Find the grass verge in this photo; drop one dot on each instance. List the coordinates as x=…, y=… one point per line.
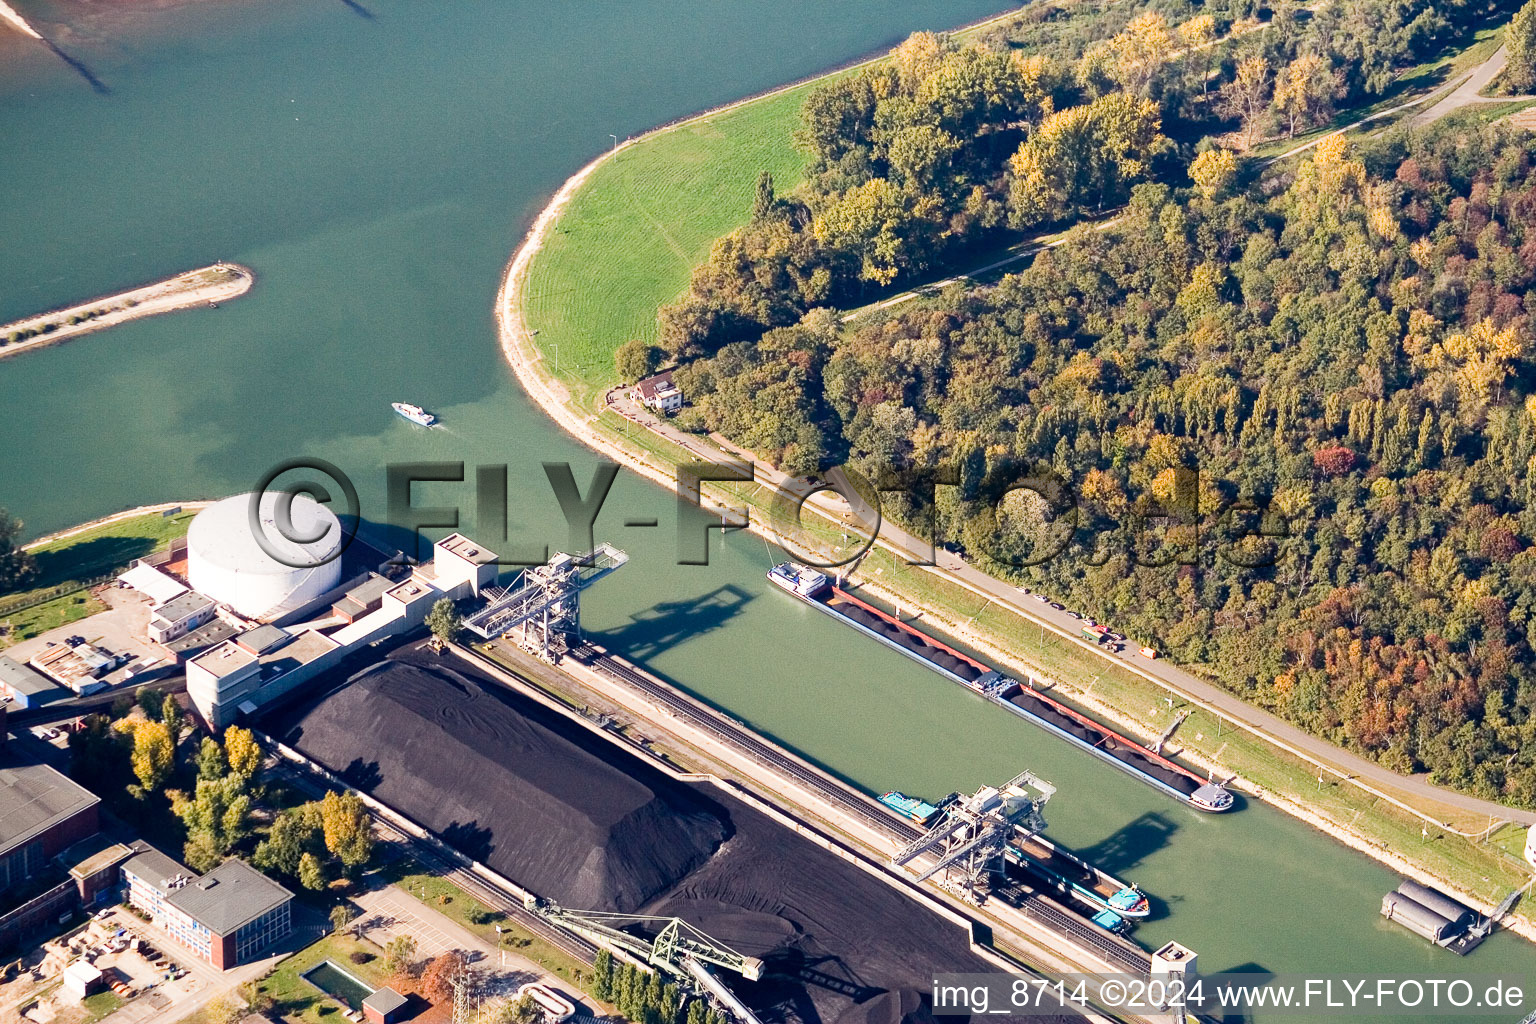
x=474, y=916
x=646, y=218
x=65, y=566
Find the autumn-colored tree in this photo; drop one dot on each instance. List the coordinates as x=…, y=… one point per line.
x=347, y=828
x=243, y=752
x=1520, y=67
x=1081, y=157
x=312, y=873
x=1246, y=97
x=1141, y=51
x=1197, y=34
x=225, y=1009
x=919, y=57
x=153, y=756
x=1333, y=461
x=1304, y=92
x=437, y=977
x=1212, y=171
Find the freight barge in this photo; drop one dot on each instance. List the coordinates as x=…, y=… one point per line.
x=1136, y=760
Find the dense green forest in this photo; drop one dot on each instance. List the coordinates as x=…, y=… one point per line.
x=1333, y=361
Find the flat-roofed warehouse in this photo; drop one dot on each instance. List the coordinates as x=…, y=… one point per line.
x=26, y=687
x=41, y=814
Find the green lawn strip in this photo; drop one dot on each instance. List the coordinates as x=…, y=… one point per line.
x=295, y=999
x=628, y=241
x=103, y=548
x=480, y=919
x=39, y=618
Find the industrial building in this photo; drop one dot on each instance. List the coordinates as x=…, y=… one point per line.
x=227, y=917
x=240, y=675
x=27, y=688
x=41, y=814
x=179, y=616
x=79, y=667
x=227, y=562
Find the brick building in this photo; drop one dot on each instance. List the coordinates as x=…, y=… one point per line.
x=227, y=917
x=41, y=814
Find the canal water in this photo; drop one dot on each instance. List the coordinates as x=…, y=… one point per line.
x=376, y=162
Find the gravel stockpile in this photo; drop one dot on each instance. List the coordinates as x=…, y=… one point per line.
x=507, y=790
x=574, y=818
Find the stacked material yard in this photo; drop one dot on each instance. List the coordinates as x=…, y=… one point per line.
x=573, y=818
x=551, y=814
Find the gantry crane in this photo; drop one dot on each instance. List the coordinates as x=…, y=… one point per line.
x=544, y=601
x=679, y=949
x=973, y=834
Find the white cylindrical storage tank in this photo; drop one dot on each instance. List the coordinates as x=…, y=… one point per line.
x=267, y=578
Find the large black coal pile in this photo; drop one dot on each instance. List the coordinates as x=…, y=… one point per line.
x=574, y=818
x=505, y=789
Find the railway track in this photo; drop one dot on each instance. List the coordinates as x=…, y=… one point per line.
x=1032, y=904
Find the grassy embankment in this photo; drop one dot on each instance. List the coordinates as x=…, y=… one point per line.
x=67, y=567
x=625, y=245
x=643, y=221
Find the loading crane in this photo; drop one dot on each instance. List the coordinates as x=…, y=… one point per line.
x=544, y=601
x=679, y=949
x=972, y=836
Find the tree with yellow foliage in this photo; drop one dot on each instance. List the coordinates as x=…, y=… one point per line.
x=1212, y=171
x=1480, y=359
x=1246, y=97
x=347, y=828
x=1081, y=157
x=1197, y=34
x=1304, y=92
x=919, y=56
x=242, y=752
x=1141, y=52
x=153, y=756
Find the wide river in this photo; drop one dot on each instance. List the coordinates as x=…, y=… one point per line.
x=376, y=162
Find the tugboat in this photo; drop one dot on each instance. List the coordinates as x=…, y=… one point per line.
x=415, y=413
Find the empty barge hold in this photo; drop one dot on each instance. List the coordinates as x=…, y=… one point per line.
x=817, y=589
x=909, y=807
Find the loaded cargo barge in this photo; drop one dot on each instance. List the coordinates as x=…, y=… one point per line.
x=818, y=590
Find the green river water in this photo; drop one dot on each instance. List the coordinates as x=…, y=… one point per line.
x=376, y=163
